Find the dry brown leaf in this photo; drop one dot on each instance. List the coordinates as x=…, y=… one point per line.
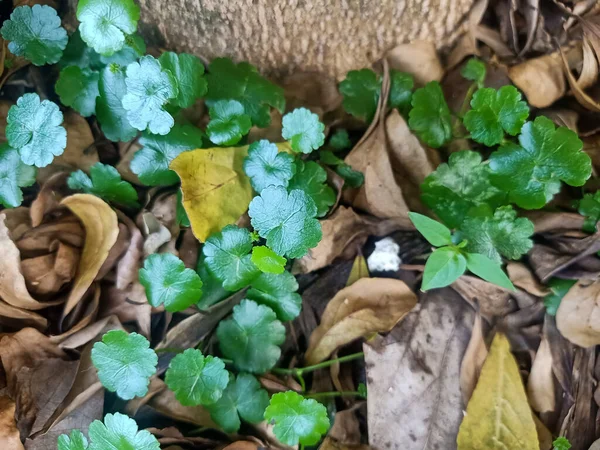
x=370, y=305
x=419, y=58
x=472, y=362
x=47, y=274
x=17, y=317
x=414, y=396
x=522, y=277
x=544, y=221
x=80, y=152
x=467, y=44
x=102, y=230
x=127, y=267
x=85, y=313
x=578, y=316
x=4, y=107
x=562, y=117
x=330, y=443
x=313, y=90
x=541, y=79
x=242, y=445
x=17, y=221
x=9, y=434
x=49, y=197
x=128, y=305
x=580, y=95
x=540, y=384
x=127, y=151
x=492, y=300
x=343, y=233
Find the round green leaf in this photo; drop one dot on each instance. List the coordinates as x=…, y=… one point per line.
x=443, y=268
x=109, y=108
x=311, y=178
x=228, y=122
x=13, y=176
x=106, y=183
x=75, y=441
x=266, y=166
x=361, y=90
x=119, y=432
x=267, y=260
x=430, y=117
x=78, y=88
x=278, y=292
x=303, y=129
x=187, y=70
x=401, y=86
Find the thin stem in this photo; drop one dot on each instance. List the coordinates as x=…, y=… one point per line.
x=169, y=350
x=303, y=370
x=467, y=100
x=334, y=394
x=302, y=382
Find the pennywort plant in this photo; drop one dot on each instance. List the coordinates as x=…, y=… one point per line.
x=528, y=162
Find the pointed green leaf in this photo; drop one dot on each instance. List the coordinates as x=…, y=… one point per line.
x=485, y=268
x=436, y=234
x=443, y=268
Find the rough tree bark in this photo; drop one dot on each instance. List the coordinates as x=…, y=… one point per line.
x=280, y=36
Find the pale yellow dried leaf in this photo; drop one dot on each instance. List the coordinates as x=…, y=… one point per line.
x=359, y=270
x=540, y=384
x=370, y=305
x=580, y=95
x=9, y=433
x=578, y=316
x=498, y=415
x=418, y=58
x=541, y=79
x=102, y=229
x=216, y=192
x=522, y=277
x=473, y=361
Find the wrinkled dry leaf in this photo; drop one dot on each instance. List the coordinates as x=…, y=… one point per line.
x=330, y=443
x=17, y=221
x=370, y=305
x=49, y=197
x=313, y=90
x=128, y=265
x=47, y=274
x=344, y=232
x=216, y=192
x=541, y=79
x=156, y=234
x=492, y=300
x=498, y=414
x=17, y=317
x=127, y=151
x=472, y=362
x=522, y=277
x=582, y=97
x=128, y=305
x=9, y=434
x=414, y=396
x=540, y=384
x=544, y=221
x=419, y=58
x=578, y=316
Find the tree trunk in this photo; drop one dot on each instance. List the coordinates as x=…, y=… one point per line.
x=281, y=36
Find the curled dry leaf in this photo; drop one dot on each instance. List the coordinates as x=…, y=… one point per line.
x=540, y=384
x=541, y=79
x=498, y=413
x=370, y=305
x=492, y=300
x=215, y=190
x=127, y=267
x=413, y=376
x=102, y=229
x=522, y=277
x=9, y=434
x=578, y=316
x=472, y=362
x=343, y=233
x=49, y=197
x=544, y=221
x=582, y=97
x=419, y=58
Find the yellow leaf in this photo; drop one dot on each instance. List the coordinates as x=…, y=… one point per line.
x=359, y=270
x=216, y=192
x=101, y=232
x=498, y=415
x=370, y=305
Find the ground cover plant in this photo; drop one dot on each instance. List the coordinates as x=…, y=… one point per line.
x=173, y=251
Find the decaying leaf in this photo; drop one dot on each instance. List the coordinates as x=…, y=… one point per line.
x=419, y=58
x=9, y=434
x=540, y=384
x=102, y=230
x=413, y=376
x=498, y=415
x=370, y=305
x=541, y=79
x=578, y=316
x=472, y=362
x=216, y=192
x=522, y=277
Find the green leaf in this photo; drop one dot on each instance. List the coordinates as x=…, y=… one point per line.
x=75, y=441
x=13, y=176
x=78, y=88
x=151, y=162
x=311, y=178
x=105, y=183
x=212, y=288
x=132, y=50
x=561, y=443
x=77, y=53
x=589, y=207
x=286, y=220
x=304, y=130
x=182, y=217
x=267, y=260
x=443, y=268
x=196, y=379
x=340, y=140
x=297, y=419
x=454, y=188
x=531, y=173
x=266, y=166
x=149, y=88
x=125, y=363
x=109, y=108
x=436, y=234
x=559, y=289
x=353, y=178
x=499, y=234
x=401, y=87
x=251, y=337
x=34, y=129
x=105, y=23
x=243, y=398
x=228, y=122
x=474, y=70
x=361, y=90
x=495, y=112
x=489, y=270
x=278, y=292
x=188, y=70
x=242, y=82
x=168, y=282
x=430, y=117
x=119, y=432
x=227, y=256
x=35, y=33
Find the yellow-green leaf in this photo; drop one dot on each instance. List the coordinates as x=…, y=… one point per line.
x=359, y=270
x=498, y=415
x=216, y=192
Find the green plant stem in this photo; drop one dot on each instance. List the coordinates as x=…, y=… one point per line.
x=334, y=394
x=467, y=100
x=302, y=370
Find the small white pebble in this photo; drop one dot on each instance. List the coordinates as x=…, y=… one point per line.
x=385, y=256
